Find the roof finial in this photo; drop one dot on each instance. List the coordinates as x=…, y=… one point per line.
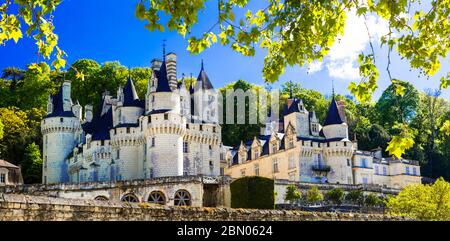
x=203, y=66
x=164, y=50
x=333, y=88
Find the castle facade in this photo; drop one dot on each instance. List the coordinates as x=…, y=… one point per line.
x=300, y=149
x=129, y=139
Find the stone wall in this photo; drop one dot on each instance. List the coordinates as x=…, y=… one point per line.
x=196, y=186
x=15, y=207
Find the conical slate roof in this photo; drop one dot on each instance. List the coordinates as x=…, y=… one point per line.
x=58, y=106
x=203, y=80
x=130, y=97
x=163, y=81
x=101, y=122
x=333, y=116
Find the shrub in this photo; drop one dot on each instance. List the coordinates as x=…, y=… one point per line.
x=253, y=192
x=335, y=196
x=372, y=200
x=355, y=196
x=314, y=195
x=292, y=194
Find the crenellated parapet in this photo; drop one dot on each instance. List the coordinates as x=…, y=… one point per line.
x=338, y=151
x=60, y=125
x=165, y=128
x=127, y=140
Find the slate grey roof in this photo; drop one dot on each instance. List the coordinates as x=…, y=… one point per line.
x=58, y=106
x=130, y=97
x=163, y=81
x=203, y=81
x=333, y=116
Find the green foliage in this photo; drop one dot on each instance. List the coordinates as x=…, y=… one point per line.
x=233, y=134
x=20, y=129
x=1, y=130
x=372, y=200
x=422, y=202
x=336, y=196
x=292, y=194
x=252, y=192
x=32, y=164
x=314, y=195
x=355, y=196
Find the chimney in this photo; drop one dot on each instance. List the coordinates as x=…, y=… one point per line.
x=88, y=114
x=171, y=63
x=341, y=108
x=67, y=101
x=156, y=64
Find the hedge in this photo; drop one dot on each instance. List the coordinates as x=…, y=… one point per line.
x=253, y=193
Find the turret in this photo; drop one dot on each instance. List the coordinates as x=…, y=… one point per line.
x=171, y=63
x=161, y=96
x=61, y=130
x=335, y=126
x=88, y=115
x=205, y=99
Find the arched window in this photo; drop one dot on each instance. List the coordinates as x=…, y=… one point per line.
x=101, y=198
x=130, y=198
x=157, y=197
x=182, y=198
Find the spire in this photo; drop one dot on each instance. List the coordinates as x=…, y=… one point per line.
x=332, y=81
x=130, y=97
x=164, y=50
x=163, y=81
x=203, y=80
x=333, y=116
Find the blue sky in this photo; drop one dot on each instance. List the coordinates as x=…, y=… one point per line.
x=108, y=30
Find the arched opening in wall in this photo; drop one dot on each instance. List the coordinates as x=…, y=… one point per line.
x=101, y=198
x=182, y=198
x=130, y=198
x=157, y=197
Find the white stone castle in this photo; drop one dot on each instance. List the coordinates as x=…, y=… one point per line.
x=130, y=139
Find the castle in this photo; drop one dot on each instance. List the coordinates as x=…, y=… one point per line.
x=128, y=138
x=175, y=132
x=300, y=149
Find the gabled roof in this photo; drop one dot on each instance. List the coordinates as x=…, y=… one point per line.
x=293, y=108
x=101, y=123
x=130, y=97
x=203, y=81
x=333, y=116
x=58, y=106
x=163, y=81
x=6, y=164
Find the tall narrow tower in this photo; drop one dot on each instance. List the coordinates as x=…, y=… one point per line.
x=61, y=129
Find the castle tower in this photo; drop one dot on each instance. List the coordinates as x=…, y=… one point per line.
x=61, y=129
x=126, y=138
x=205, y=99
x=335, y=126
x=165, y=127
x=185, y=99
x=171, y=63
x=297, y=115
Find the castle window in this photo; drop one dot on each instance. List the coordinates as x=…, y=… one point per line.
x=274, y=148
x=222, y=171
x=384, y=171
x=376, y=170
x=153, y=142
x=349, y=162
x=221, y=156
x=45, y=179
x=256, y=154
x=291, y=162
x=166, y=116
x=182, y=198
x=345, y=143
x=312, y=144
x=214, y=129
x=211, y=165
x=102, y=142
x=210, y=147
x=407, y=170
x=319, y=145
x=118, y=154
x=185, y=147
x=128, y=130
x=201, y=127
x=303, y=143
x=2, y=178
x=187, y=126
x=328, y=144
x=152, y=173
x=414, y=171
x=364, y=163
x=291, y=143
x=275, y=166
x=61, y=120
x=45, y=162
x=256, y=169
x=130, y=198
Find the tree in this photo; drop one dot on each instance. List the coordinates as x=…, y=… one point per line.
x=355, y=196
x=422, y=202
x=314, y=195
x=32, y=164
x=14, y=74
x=292, y=194
x=336, y=196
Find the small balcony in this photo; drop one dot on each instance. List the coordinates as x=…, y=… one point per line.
x=321, y=168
